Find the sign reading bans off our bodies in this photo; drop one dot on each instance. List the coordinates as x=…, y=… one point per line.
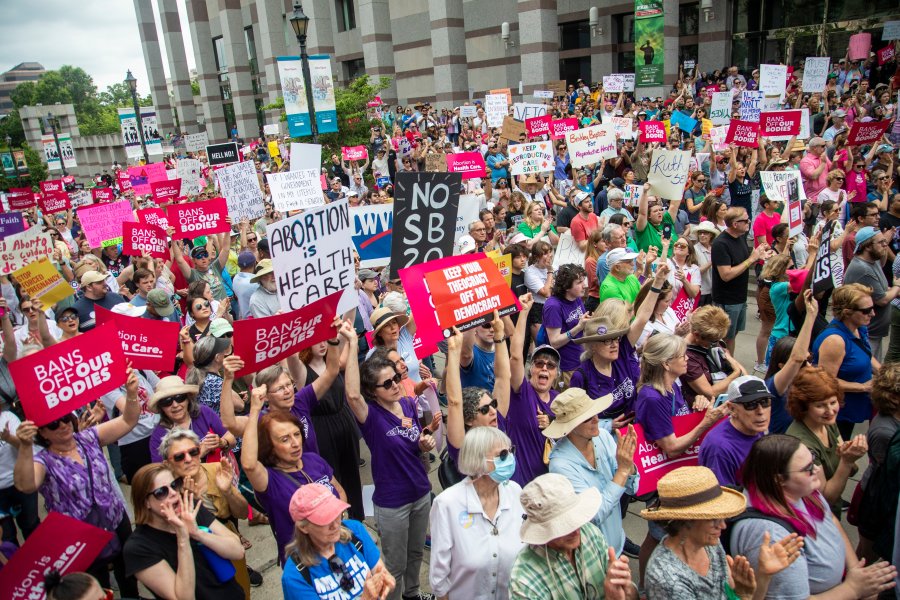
x=313, y=257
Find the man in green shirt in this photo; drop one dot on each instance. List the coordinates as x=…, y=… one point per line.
x=567, y=556
x=651, y=220
x=621, y=281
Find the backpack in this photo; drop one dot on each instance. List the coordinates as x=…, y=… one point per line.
x=878, y=508
x=751, y=513
x=304, y=570
x=448, y=474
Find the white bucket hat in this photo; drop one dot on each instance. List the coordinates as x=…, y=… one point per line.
x=553, y=509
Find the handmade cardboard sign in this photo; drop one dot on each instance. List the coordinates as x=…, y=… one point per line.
x=591, y=145
x=102, y=223
x=239, y=184
x=815, y=73
x=522, y=111
x=534, y=157
x=751, y=105
x=668, y=172
x=19, y=249
x=773, y=184
x=296, y=189
x=720, y=109
x=195, y=142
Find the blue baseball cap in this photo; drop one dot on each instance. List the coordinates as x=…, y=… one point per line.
x=864, y=235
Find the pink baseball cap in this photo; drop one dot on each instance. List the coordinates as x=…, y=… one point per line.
x=796, y=278
x=315, y=503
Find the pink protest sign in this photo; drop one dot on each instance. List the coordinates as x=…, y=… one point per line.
x=153, y=216
x=743, y=133
x=198, y=218
x=165, y=191
x=866, y=133
x=142, y=177
x=536, y=126
x=860, y=44
x=103, y=194
x=354, y=152
x=652, y=131
x=470, y=164
x=886, y=54
x=779, y=122
x=103, y=222
x=559, y=127
x=683, y=305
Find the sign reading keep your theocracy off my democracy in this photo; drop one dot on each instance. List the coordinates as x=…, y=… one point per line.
x=463, y=293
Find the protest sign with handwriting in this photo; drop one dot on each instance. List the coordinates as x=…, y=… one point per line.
x=195, y=142
x=19, y=249
x=720, y=109
x=534, y=157
x=240, y=186
x=296, y=189
x=102, y=223
x=591, y=145
x=772, y=79
x=751, y=105
x=815, y=73
x=668, y=172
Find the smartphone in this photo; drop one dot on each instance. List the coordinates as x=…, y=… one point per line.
x=667, y=232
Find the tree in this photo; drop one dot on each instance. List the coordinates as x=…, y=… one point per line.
x=37, y=171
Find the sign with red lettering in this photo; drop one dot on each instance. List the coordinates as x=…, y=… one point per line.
x=465, y=294
x=54, y=202
x=779, y=122
x=62, y=378
x=470, y=164
x=198, y=218
x=22, y=248
x=652, y=131
x=743, y=133
x=102, y=223
x=263, y=342
x=52, y=186
x=103, y=194
x=60, y=542
x=123, y=181
x=652, y=463
x=536, y=126
x=148, y=344
x=354, y=152
x=153, y=216
x=559, y=127
x=866, y=133
x=683, y=305
x=165, y=191
x=20, y=198
x=138, y=238
x=886, y=54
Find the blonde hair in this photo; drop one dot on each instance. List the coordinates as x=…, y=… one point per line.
x=846, y=299
x=529, y=207
x=302, y=547
x=834, y=174
x=658, y=350
x=710, y=322
x=775, y=269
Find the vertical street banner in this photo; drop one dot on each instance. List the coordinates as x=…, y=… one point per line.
x=131, y=134
x=290, y=71
x=52, y=156
x=425, y=208
x=150, y=127
x=648, y=38
x=323, y=93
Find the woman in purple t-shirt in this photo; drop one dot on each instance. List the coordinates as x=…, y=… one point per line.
x=276, y=465
x=390, y=425
x=564, y=314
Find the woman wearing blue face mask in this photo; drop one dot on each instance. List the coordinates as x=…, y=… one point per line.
x=475, y=523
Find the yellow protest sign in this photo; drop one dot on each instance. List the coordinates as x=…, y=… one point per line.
x=273, y=148
x=504, y=264
x=41, y=280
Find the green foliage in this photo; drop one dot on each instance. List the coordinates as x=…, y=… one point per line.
x=195, y=88
x=37, y=171
x=11, y=125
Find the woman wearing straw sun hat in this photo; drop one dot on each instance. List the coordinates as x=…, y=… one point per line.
x=589, y=457
x=690, y=563
x=567, y=556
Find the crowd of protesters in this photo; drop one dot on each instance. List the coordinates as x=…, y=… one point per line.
x=537, y=432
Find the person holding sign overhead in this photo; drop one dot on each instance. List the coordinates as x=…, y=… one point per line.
x=653, y=222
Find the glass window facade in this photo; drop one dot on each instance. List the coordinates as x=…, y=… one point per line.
x=574, y=35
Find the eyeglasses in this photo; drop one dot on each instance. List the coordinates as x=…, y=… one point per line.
x=883, y=177
x=167, y=402
x=282, y=388
x=808, y=469
x=54, y=425
x=611, y=342
x=866, y=311
x=389, y=383
x=397, y=282
x=337, y=566
x=162, y=492
x=251, y=239
x=180, y=456
x=200, y=305
x=200, y=255
x=68, y=317
x=501, y=456
x=545, y=364
x=486, y=408
x=753, y=405
x=859, y=166
x=741, y=221
x=28, y=309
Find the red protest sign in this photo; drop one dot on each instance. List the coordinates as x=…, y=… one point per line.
x=559, y=127
x=165, y=191
x=652, y=131
x=123, y=180
x=52, y=186
x=198, y=218
x=743, y=133
x=866, y=133
x=153, y=216
x=536, y=126
x=652, y=463
x=886, y=54
x=683, y=305
x=54, y=202
x=470, y=164
x=148, y=344
x=20, y=198
x=103, y=194
x=138, y=238
x=60, y=542
x=464, y=293
x=263, y=342
x=64, y=377
x=354, y=152
x=779, y=122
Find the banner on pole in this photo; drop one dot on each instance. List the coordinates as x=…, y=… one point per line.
x=649, y=39
x=323, y=93
x=293, y=90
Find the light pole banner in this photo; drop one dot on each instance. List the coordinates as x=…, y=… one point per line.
x=130, y=138
x=52, y=156
x=290, y=71
x=323, y=93
x=152, y=138
x=648, y=38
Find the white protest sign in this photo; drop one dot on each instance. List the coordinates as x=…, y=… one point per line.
x=495, y=108
x=306, y=156
x=668, y=172
x=623, y=127
x=772, y=79
x=720, y=108
x=296, y=190
x=467, y=213
x=804, y=127
x=613, y=83
x=717, y=136
x=544, y=94
x=535, y=157
x=195, y=142
x=632, y=194
x=891, y=31
x=313, y=257
x=523, y=110
x=239, y=185
x=591, y=145
x=629, y=82
x=773, y=184
x=271, y=129
x=815, y=73
x=468, y=111
x=404, y=147
x=751, y=104
x=567, y=252
x=188, y=170
x=22, y=248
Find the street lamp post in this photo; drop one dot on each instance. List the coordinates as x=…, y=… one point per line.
x=52, y=124
x=131, y=80
x=14, y=161
x=300, y=22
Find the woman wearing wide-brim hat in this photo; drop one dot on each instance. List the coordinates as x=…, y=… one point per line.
x=690, y=562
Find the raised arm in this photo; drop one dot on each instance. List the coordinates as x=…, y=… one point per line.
x=783, y=378
x=645, y=310
x=47, y=340
x=235, y=424
x=112, y=430
x=517, y=350
x=178, y=256
x=456, y=427
x=28, y=475
x=332, y=367
x=351, y=376
x=256, y=471
x=9, y=333
x=641, y=223
x=222, y=250
x=674, y=204
x=501, y=365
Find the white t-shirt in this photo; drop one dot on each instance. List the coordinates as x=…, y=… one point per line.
x=8, y=452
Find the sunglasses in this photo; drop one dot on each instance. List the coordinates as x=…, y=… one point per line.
x=486, y=408
x=866, y=311
x=201, y=255
x=200, y=305
x=28, y=309
x=180, y=456
x=167, y=402
x=838, y=178
x=751, y=406
x=504, y=453
x=54, y=425
x=251, y=239
x=487, y=325
x=389, y=383
x=545, y=364
x=337, y=566
x=162, y=492
x=68, y=317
